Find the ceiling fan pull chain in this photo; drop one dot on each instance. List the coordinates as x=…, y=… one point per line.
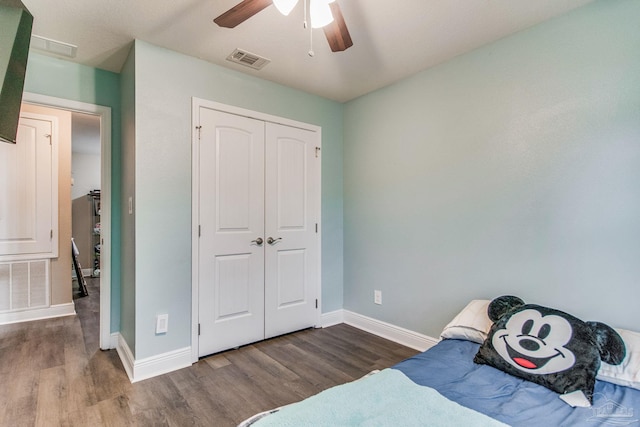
x=304, y=23
x=311, y=52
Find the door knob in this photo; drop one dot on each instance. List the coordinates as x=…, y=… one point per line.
x=271, y=240
x=258, y=241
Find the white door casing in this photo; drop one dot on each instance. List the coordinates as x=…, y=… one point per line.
x=227, y=253
x=106, y=341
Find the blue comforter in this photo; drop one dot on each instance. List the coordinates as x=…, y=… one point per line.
x=448, y=367
x=385, y=399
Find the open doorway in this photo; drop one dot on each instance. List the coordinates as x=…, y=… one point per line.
x=86, y=194
x=103, y=116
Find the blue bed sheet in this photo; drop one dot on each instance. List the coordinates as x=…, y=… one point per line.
x=448, y=367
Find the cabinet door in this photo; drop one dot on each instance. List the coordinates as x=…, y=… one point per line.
x=292, y=199
x=28, y=190
x=231, y=218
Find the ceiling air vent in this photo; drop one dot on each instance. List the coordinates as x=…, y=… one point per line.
x=53, y=46
x=248, y=59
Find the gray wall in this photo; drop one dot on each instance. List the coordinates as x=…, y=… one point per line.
x=85, y=171
x=127, y=161
x=513, y=169
x=165, y=83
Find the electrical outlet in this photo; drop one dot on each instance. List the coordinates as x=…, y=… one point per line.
x=377, y=297
x=162, y=323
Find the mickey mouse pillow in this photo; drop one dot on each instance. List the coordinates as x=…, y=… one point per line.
x=548, y=347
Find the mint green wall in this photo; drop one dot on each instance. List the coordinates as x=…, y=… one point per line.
x=165, y=83
x=512, y=169
x=67, y=80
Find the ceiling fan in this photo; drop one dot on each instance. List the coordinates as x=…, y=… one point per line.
x=325, y=12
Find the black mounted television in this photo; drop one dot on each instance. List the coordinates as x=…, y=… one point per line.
x=15, y=35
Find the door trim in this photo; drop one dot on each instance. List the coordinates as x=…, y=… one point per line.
x=104, y=113
x=196, y=104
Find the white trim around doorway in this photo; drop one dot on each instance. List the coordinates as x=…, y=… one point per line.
x=104, y=113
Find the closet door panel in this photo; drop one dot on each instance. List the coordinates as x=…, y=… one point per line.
x=231, y=218
x=291, y=214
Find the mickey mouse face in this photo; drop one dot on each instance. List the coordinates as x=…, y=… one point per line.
x=534, y=343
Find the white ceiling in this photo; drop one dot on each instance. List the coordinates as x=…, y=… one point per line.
x=392, y=39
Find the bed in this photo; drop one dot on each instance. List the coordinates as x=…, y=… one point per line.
x=444, y=386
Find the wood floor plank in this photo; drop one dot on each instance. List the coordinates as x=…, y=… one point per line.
x=89, y=416
x=283, y=389
x=109, y=376
x=354, y=364
x=115, y=412
x=21, y=411
x=309, y=367
x=206, y=406
x=82, y=391
x=58, y=376
x=52, y=397
x=217, y=361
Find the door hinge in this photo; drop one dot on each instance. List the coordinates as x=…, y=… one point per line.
x=316, y=302
x=198, y=329
x=51, y=234
x=317, y=152
x=199, y=230
x=316, y=227
x=199, y=128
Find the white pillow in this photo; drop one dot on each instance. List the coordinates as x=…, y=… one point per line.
x=471, y=324
x=628, y=372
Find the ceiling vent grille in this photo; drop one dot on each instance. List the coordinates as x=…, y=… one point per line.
x=248, y=59
x=53, y=46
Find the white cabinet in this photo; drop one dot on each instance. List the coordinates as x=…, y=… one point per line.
x=29, y=191
x=28, y=214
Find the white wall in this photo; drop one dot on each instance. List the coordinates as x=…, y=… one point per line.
x=85, y=172
x=513, y=169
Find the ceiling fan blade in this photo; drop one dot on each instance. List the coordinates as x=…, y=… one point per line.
x=337, y=33
x=241, y=12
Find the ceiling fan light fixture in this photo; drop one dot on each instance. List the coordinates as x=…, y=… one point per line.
x=320, y=13
x=285, y=6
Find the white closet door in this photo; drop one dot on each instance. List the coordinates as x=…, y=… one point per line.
x=258, y=209
x=28, y=190
x=231, y=211
x=291, y=214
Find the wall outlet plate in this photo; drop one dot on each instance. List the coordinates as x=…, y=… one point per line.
x=162, y=323
x=377, y=297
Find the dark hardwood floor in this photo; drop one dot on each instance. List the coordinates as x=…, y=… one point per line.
x=52, y=373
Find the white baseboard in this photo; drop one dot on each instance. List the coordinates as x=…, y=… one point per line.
x=142, y=369
x=126, y=356
x=391, y=332
x=113, y=340
x=331, y=318
x=58, y=310
x=86, y=272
